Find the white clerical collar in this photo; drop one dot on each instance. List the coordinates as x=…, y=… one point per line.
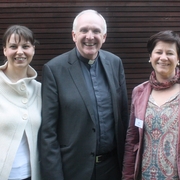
x=91, y=62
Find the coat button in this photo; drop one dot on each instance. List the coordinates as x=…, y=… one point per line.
x=23, y=87
x=92, y=154
x=24, y=100
x=25, y=116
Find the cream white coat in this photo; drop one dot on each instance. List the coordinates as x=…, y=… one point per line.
x=20, y=111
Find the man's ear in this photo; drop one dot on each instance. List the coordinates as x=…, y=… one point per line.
x=74, y=36
x=104, y=38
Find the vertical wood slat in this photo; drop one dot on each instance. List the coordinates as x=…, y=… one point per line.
x=130, y=24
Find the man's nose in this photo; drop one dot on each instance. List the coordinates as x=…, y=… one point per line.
x=90, y=35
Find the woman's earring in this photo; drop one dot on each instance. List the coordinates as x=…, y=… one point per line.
x=149, y=61
x=178, y=63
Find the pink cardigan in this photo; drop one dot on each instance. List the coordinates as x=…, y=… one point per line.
x=134, y=138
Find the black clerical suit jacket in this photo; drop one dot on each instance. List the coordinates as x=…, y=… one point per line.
x=67, y=138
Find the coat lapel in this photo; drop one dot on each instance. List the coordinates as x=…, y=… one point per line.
x=78, y=78
x=109, y=74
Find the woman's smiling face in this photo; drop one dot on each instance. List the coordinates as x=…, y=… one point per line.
x=19, y=53
x=164, y=59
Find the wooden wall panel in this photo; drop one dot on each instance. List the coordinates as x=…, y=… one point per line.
x=130, y=24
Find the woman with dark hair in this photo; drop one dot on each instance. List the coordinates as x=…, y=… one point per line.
x=20, y=107
x=153, y=138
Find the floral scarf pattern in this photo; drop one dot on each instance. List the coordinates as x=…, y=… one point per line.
x=160, y=86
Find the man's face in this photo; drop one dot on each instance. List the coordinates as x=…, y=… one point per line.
x=89, y=35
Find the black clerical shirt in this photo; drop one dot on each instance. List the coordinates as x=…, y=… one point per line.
x=100, y=95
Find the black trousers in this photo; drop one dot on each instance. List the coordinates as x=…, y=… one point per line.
x=107, y=170
x=29, y=178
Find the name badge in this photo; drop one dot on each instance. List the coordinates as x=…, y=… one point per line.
x=139, y=123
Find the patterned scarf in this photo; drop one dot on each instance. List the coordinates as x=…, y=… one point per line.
x=159, y=86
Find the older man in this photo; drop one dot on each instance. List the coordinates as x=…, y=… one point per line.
x=85, y=108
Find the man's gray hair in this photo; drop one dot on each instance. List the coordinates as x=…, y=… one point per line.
x=89, y=11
